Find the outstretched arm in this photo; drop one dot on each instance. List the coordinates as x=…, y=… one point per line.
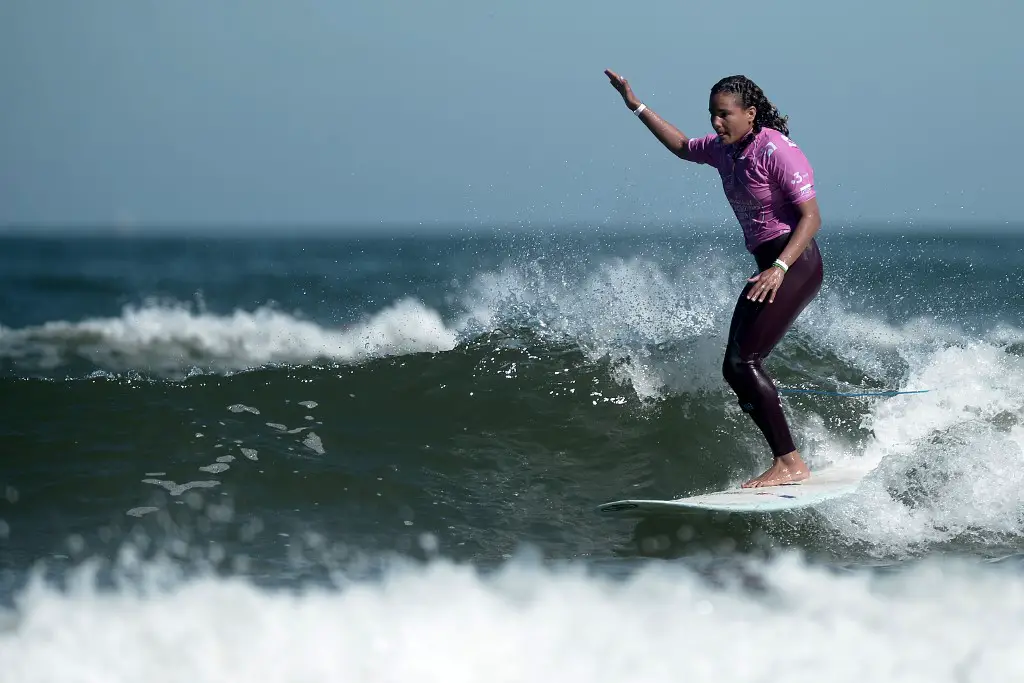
x=670, y=136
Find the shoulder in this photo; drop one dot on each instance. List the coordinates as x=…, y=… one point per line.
x=770, y=141
x=777, y=137
x=711, y=142
x=775, y=148
x=707, y=150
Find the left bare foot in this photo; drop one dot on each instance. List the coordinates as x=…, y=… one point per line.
x=787, y=469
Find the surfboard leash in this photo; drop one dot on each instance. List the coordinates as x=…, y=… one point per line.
x=784, y=390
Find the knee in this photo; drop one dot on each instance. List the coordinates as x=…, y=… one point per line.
x=732, y=364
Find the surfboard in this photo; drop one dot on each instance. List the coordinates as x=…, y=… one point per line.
x=823, y=485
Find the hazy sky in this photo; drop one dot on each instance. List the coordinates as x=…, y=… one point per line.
x=242, y=112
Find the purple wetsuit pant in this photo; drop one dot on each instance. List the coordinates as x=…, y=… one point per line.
x=755, y=330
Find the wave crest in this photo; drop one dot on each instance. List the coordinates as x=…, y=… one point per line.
x=173, y=338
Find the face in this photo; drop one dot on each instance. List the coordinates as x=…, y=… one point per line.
x=729, y=119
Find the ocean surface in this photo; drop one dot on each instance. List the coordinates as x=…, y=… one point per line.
x=319, y=458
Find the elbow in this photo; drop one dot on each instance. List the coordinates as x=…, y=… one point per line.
x=681, y=148
x=811, y=224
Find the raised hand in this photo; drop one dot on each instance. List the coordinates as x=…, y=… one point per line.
x=622, y=86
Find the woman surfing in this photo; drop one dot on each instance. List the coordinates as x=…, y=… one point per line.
x=770, y=185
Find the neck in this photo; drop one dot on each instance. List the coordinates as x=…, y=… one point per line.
x=746, y=137
x=741, y=144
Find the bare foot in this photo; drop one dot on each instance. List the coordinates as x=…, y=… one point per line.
x=787, y=469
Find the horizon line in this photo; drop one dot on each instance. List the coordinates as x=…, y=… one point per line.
x=353, y=228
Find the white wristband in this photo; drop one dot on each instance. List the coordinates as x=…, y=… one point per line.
x=640, y=110
x=781, y=265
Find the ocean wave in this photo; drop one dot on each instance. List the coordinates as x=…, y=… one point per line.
x=173, y=338
x=946, y=462
x=937, y=621
x=949, y=464
x=663, y=329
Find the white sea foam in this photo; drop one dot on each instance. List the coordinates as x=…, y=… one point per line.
x=932, y=623
x=949, y=464
x=624, y=310
x=176, y=489
x=172, y=339
x=314, y=443
x=666, y=326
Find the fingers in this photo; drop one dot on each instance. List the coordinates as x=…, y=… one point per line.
x=765, y=285
x=618, y=81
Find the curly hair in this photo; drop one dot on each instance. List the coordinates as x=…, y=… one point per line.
x=750, y=95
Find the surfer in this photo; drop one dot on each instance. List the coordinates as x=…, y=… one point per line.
x=770, y=185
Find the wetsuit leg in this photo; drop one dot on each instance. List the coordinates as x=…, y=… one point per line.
x=755, y=330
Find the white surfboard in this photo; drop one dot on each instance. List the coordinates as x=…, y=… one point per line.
x=823, y=485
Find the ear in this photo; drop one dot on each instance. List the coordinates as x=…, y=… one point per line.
x=751, y=113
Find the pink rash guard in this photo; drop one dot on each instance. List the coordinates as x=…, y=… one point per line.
x=764, y=183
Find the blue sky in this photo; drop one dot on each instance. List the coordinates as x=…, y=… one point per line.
x=141, y=113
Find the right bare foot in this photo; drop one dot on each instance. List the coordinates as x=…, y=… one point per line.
x=786, y=469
